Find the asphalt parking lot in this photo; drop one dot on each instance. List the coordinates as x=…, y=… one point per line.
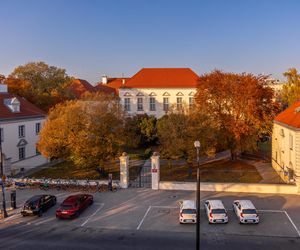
x=149, y=211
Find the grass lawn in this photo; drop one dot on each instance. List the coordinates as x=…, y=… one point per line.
x=221, y=171
x=67, y=170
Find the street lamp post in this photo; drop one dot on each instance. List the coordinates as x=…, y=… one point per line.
x=197, y=146
x=2, y=174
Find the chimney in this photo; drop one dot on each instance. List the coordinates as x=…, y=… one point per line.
x=104, y=79
x=3, y=88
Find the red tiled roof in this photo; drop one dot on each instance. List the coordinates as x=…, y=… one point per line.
x=290, y=116
x=80, y=86
x=27, y=109
x=163, y=78
x=112, y=86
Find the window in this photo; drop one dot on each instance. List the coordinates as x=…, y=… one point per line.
x=127, y=104
x=37, y=128
x=166, y=103
x=152, y=104
x=191, y=102
x=21, y=153
x=1, y=135
x=179, y=103
x=21, y=131
x=291, y=142
x=140, y=104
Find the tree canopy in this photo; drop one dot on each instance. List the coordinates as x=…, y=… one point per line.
x=240, y=105
x=40, y=84
x=87, y=132
x=177, y=132
x=291, y=90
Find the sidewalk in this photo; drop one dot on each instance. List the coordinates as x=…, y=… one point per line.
x=265, y=169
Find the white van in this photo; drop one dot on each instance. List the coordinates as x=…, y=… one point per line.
x=215, y=211
x=245, y=211
x=187, y=212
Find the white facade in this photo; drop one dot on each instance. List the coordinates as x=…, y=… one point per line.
x=15, y=158
x=131, y=96
x=286, y=152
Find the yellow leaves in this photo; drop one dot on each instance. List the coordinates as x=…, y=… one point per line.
x=85, y=131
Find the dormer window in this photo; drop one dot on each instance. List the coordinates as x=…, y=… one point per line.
x=13, y=104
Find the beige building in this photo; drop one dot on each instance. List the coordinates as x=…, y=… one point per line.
x=154, y=91
x=286, y=144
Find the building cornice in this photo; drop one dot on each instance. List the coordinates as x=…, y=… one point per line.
x=286, y=126
x=23, y=118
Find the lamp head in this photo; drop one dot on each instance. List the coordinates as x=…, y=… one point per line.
x=197, y=144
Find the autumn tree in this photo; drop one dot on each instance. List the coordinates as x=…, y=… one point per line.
x=177, y=132
x=87, y=132
x=241, y=106
x=291, y=90
x=41, y=84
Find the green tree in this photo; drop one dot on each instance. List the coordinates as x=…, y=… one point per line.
x=41, y=84
x=291, y=90
x=87, y=132
x=148, y=129
x=177, y=132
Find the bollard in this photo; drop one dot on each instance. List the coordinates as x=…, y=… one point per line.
x=13, y=199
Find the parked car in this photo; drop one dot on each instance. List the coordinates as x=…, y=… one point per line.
x=215, y=211
x=74, y=205
x=38, y=204
x=187, y=212
x=245, y=211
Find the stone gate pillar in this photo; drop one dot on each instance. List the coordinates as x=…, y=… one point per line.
x=155, y=170
x=124, y=170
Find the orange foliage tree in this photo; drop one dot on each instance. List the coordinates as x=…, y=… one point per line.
x=87, y=132
x=41, y=84
x=241, y=106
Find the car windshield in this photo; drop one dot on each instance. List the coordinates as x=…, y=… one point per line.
x=32, y=203
x=249, y=211
x=189, y=211
x=218, y=211
x=66, y=206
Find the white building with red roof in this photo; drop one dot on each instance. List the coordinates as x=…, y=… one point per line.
x=20, y=124
x=153, y=91
x=286, y=144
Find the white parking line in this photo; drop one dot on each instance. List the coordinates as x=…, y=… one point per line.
x=44, y=221
x=13, y=217
x=165, y=206
x=148, y=210
x=87, y=220
x=271, y=211
x=145, y=215
x=297, y=230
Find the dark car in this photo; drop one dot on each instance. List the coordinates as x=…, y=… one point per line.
x=38, y=204
x=74, y=205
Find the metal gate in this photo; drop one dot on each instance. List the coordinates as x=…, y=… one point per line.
x=143, y=178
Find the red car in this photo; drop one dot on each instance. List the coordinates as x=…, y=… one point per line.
x=74, y=205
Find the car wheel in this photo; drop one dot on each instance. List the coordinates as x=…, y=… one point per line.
x=40, y=213
x=92, y=201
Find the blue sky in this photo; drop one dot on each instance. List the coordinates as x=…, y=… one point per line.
x=90, y=38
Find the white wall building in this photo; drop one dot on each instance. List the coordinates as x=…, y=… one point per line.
x=286, y=144
x=153, y=91
x=20, y=124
